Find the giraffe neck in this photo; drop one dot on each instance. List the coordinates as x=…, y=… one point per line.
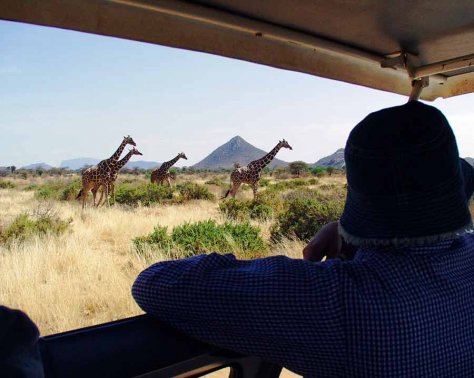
x=261, y=163
x=122, y=162
x=168, y=164
x=117, y=153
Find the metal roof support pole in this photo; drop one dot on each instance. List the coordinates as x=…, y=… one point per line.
x=416, y=88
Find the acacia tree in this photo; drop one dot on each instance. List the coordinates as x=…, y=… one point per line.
x=297, y=167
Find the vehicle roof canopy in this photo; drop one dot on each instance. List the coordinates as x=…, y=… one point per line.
x=380, y=44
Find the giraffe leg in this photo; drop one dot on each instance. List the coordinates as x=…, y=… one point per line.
x=84, y=197
x=228, y=190
x=113, y=191
x=234, y=189
x=85, y=191
x=94, y=195
x=169, y=181
x=107, y=194
x=101, y=196
x=254, y=189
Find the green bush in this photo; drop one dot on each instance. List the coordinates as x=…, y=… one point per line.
x=336, y=193
x=145, y=194
x=69, y=193
x=7, y=185
x=158, y=239
x=245, y=210
x=205, y=237
x=56, y=190
x=31, y=187
x=288, y=184
x=25, y=227
x=216, y=182
x=304, y=217
x=192, y=191
x=47, y=192
x=264, y=182
x=318, y=171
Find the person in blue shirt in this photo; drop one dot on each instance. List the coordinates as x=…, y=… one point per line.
x=402, y=307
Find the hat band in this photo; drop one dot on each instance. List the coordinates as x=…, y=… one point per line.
x=405, y=241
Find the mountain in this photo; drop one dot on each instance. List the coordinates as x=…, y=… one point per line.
x=35, y=166
x=142, y=164
x=78, y=163
x=470, y=160
x=235, y=150
x=335, y=160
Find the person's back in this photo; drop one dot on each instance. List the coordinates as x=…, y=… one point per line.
x=402, y=307
x=410, y=311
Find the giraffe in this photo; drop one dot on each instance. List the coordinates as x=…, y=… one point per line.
x=93, y=175
x=109, y=183
x=252, y=172
x=158, y=175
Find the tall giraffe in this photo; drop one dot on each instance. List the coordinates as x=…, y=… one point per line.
x=98, y=173
x=109, y=184
x=161, y=174
x=252, y=172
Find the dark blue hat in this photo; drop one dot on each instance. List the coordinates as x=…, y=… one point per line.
x=406, y=183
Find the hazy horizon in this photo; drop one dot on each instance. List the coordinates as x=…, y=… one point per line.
x=67, y=95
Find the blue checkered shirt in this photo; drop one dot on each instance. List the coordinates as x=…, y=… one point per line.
x=387, y=313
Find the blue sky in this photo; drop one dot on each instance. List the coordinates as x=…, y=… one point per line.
x=66, y=94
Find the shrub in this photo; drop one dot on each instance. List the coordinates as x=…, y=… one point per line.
x=31, y=187
x=158, y=239
x=216, y=182
x=271, y=198
x=145, y=194
x=297, y=167
x=288, y=184
x=313, y=181
x=25, y=227
x=205, y=237
x=264, y=182
x=47, y=192
x=7, y=185
x=69, y=193
x=318, y=171
x=245, y=210
x=192, y=191
x=56, y=190
x=304, y=217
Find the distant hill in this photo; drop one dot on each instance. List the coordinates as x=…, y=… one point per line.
x=336, y=160
x=142, y=164
x=235, y=150
x=35, y=166
x=79, y=163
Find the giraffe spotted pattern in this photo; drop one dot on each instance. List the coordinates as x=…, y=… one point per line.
x=161, y=174
x=98, y=174
x=252, y=172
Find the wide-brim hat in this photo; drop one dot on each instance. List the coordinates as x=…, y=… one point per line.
x=405, y=182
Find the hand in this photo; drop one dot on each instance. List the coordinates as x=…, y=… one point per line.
x=327, y=242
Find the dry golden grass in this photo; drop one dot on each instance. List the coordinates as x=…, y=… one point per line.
x=83, y=277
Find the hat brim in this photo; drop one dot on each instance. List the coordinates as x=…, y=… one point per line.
x=410, y=219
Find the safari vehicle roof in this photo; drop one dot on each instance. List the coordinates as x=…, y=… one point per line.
x=381, y=44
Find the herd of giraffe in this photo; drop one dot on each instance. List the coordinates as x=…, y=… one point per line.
x=105, y=173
